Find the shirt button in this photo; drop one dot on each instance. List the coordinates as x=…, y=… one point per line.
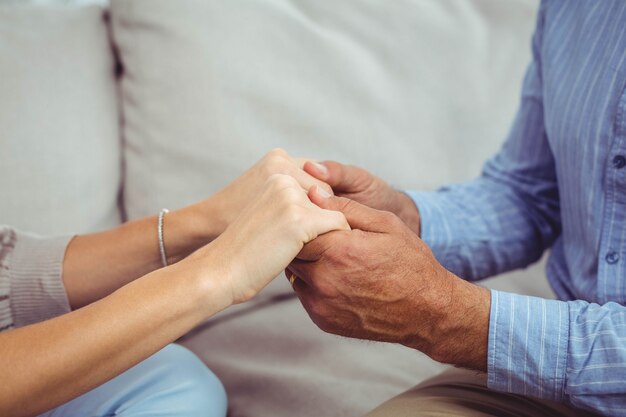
x=619, y=162
x=612, y=257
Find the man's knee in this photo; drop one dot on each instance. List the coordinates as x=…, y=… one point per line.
x=458, y=392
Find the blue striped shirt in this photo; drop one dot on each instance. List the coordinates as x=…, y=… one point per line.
x=558, y=182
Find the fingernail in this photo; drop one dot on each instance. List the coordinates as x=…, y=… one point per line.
x=321, y=168
x=322, y=192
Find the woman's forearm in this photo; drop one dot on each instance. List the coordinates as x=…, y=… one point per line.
x=49, y=363
x=97, y=264
x=54, y=361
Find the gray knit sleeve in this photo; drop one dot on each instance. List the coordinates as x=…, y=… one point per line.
x=31, y=282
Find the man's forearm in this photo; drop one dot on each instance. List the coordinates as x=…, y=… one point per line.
x=461, y=334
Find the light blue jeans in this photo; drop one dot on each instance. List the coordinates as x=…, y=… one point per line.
x=173, y=382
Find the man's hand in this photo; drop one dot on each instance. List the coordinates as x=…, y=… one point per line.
x=359, y=185
x=379, y=281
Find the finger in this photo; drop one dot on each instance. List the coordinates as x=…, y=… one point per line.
x=322, y=221
x=296, y=269
x=358, y=216
x=307, y=181
x=294, y=168
x=342, y=178
x=316, y=169
x=300, y=286
x=316, y=248
x=288, y=273
x=301, y=269
x=300, y=162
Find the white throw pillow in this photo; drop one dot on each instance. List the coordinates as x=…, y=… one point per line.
x=419, y=92
x=59, y=132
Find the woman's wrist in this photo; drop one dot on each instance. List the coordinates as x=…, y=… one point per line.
x=187, y=229
x=206, y=280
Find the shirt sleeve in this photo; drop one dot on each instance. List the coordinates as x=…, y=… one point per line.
x=507, y=217
x=31, y=283
x=572, y=352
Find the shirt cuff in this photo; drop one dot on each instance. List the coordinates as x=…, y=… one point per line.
x=36, y=275
x=528, y=343
x=434, y=227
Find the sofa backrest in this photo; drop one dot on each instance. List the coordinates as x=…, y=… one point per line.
x=60, y=160
x=419, y=92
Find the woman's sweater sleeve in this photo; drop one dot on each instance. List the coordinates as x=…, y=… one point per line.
x=31, y=278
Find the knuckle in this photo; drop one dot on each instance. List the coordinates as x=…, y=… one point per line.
x=345, y=204
x=272, y=166
x=317, y=312
x=279, y=181
x=348, y=254
x=397, y=223
x=290, y=195
x=326, y=290
x=280, y=152
x=275, y=161
x=351, y=254
x=325, y=324
x=337, y=218
x=389, y=218
x=272, y=182
x=321, y=323
x=293, y=214
x=316, y=308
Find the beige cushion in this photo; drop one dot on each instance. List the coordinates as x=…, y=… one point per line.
x=59, y=136
x=420, y=92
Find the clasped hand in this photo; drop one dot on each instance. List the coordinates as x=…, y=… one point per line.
x=380, y=281
x=362, y=269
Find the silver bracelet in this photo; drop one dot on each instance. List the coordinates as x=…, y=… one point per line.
x=160, y=232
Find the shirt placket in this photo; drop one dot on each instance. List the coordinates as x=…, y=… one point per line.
x=612, y=256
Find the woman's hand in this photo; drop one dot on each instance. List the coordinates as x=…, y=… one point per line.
x=132, y=250
x=266, y=236
x=108, y=275
x=223, y=207
x=192, y=227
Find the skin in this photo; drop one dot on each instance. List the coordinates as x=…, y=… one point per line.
x=97, y=264
x=359, y=185
x=52, y=362
x=380, y=281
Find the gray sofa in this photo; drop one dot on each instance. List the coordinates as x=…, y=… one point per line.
x=111, y=112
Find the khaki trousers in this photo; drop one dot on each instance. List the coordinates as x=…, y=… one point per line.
x=459, y=392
